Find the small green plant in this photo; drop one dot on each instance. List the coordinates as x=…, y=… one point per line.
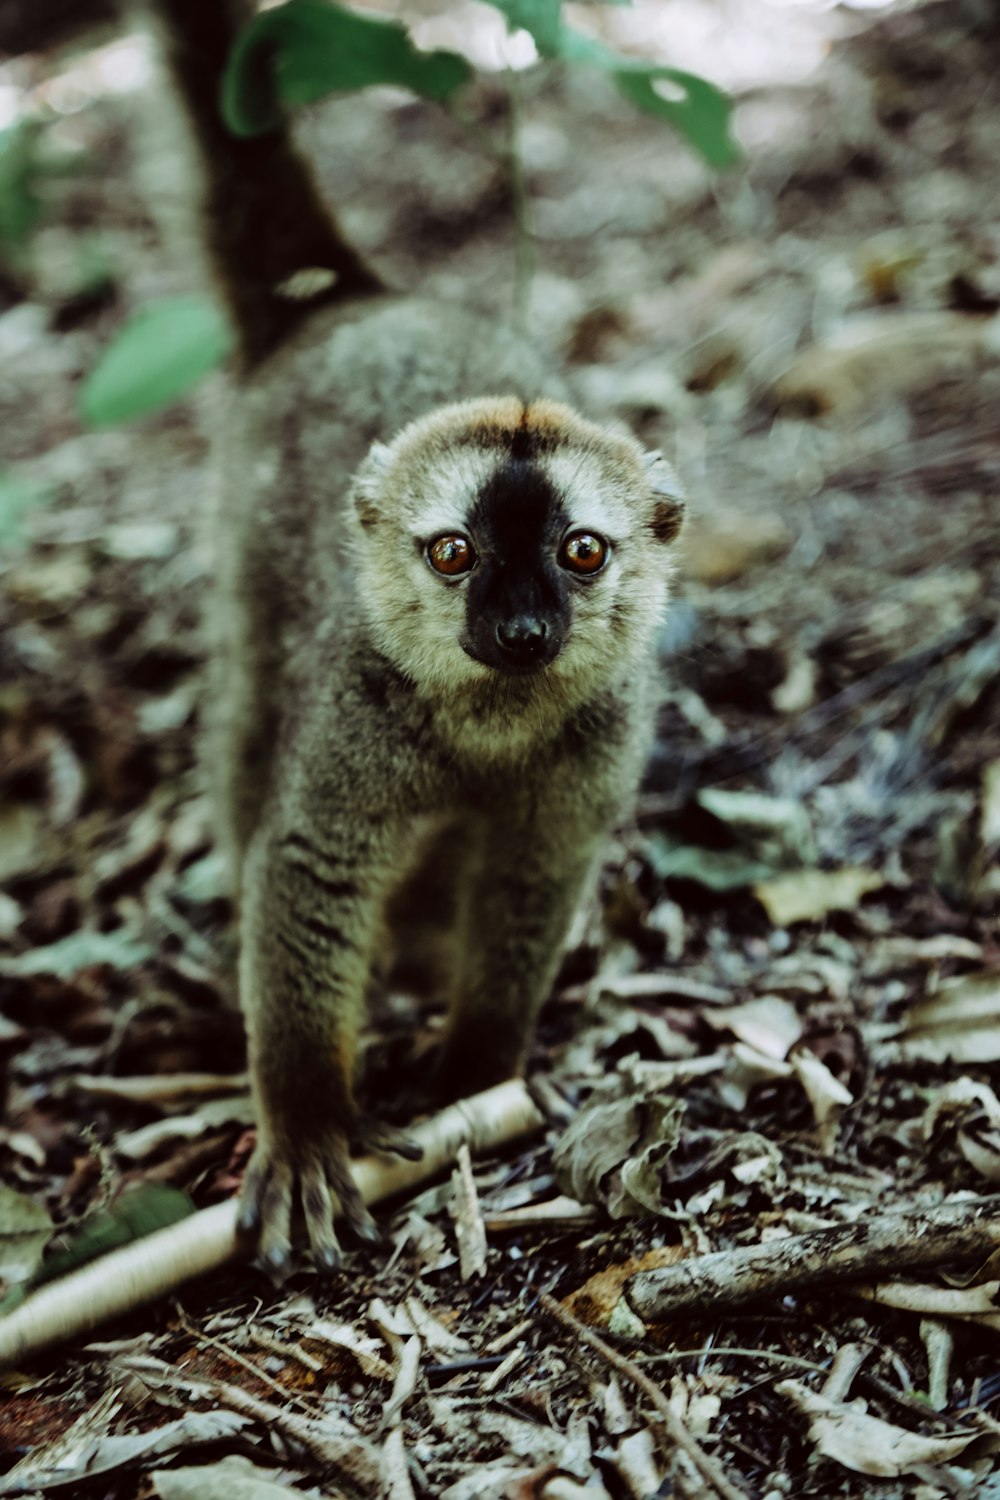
x=163, y=349
x=301, y=51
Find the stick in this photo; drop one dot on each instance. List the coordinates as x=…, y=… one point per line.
x=709, y=1468
x=148, y=1268
x=889, y=1243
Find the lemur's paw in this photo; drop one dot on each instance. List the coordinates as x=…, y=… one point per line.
x=317, y=1177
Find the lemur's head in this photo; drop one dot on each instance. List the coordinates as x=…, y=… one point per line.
x=499, y=540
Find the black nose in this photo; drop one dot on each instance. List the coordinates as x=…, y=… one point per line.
x=523, y=636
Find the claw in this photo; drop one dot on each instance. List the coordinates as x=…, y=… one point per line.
x=328, y=1259
x=275, y=1264
x=247, y=1218
x=367, y=1231
x=375, y=1135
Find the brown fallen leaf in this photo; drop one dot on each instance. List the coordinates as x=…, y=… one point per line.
x=595, y=1301
x=878, y=357
x=725, y=544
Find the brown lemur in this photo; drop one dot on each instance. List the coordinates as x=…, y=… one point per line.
x=438, y=591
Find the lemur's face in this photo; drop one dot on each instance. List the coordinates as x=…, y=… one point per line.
x=522, y=561
x=500, y=541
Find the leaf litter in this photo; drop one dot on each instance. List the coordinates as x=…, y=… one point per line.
x=785, y=1014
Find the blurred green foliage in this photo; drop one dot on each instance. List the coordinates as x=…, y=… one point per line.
x=138, y=1212
x=161, y=352
x=21, y=172
x=305, y=49
x=300, y=51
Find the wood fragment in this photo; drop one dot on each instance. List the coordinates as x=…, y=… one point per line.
x=146, y=1269
x=846, y=1363
x=555, y=1213
x=496, y=1378
x=405, y=1384
x=939, y=1342
x=888, y=1243
x=468, y=1218
x=708, y=1467
x=160, y=1088
x=509, y=1336
x=396, y=1484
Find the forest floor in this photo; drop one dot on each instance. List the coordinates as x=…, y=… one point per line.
x=784, y=1012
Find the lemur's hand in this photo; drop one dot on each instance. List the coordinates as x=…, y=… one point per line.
x=315, y=1174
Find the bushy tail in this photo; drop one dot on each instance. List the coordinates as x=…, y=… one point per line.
x=263, y=220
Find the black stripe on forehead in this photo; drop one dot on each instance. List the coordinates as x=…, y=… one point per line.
x=518, y=510
x=524, y=442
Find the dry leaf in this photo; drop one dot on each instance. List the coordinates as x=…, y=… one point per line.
x=977, y=1303
x=768, y=1024
x=804, y=895
x=613, y=1152
x=595, y=1300
x=25, y=1230
x=723, y=545
x=959, y=1023
x=846, y=1433
x=878, y=357
x=826, y=1094
x=746, y=1069
x=232, y=1478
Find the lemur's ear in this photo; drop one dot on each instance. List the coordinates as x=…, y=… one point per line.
x=367, y=486
x=668, y=498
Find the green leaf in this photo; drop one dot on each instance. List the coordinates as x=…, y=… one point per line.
x=25, y=1230
x=160, y=353
x=541, y=18
x=716, y=869
x=694, y=107
x=19, y=494
x=135, y=1214
x=305, y=49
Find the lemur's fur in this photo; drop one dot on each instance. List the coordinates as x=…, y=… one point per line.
x=370, y=712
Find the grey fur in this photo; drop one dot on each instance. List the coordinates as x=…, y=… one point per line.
x=354, y=736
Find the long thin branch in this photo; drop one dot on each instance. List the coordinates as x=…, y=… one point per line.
x=879, y=1246
x=709, y=1467
x=141, y=1272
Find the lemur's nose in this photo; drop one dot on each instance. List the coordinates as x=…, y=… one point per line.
x=523, y=636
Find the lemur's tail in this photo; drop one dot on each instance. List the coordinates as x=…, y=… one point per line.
x=264, y=221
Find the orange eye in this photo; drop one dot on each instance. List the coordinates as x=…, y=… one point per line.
x=583, y=553
x=451, y=555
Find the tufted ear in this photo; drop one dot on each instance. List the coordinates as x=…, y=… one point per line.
x=366, y=490
x=668, y=498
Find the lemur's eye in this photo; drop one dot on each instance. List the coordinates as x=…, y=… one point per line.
x=583, y=553
x=451, y=555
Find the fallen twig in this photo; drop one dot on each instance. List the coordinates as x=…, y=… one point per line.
x=146, y=1269
x=889, y=1243
x=709, y=1468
